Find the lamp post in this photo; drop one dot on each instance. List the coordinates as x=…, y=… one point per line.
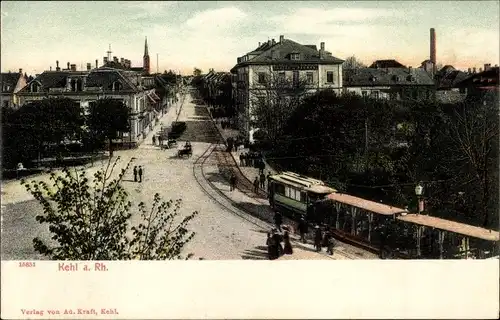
x=418, y=191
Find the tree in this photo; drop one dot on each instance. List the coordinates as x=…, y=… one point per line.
x=273, y=100
x=106, y=119
x=197, y=72
x=90, y=221
x=353, y=63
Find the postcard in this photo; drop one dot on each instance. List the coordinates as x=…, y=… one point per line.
x=250, y=159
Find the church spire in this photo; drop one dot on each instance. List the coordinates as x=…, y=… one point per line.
x=145, y=59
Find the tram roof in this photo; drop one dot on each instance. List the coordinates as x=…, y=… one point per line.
x=364, y=204
x=452, y=226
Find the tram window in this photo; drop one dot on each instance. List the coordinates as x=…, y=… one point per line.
x=280, y=189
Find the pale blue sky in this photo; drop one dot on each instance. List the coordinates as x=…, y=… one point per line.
x=214, y=34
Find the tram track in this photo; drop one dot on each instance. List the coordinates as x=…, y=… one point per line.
x=227, y=165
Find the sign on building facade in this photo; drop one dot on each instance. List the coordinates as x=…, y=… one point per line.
x=289, y=67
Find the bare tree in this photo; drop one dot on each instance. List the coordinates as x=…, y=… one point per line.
x=353, y=63
x=474, y=131
x=274, y=97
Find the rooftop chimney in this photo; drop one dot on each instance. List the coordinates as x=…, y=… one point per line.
x=68, y=65
x=73, y=67
x=259, y=44
x=50, y=68
x=20, y=70
x=96, y=63
x=433, y=46
x=469, y=70
x=487, y=66
x=57, y=65
x=474, y=70
x=273, y=42
x=480, y=70
x=322, y=50
x=122, y=60
x=410, y=69
x=322, y=46
x=282, y=37
x=269, y=42
x=89, y=66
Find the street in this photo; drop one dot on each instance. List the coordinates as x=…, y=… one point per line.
x=219, y=234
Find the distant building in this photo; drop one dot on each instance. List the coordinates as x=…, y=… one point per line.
x=11, y=83
x=447, y=89
x=389, y=83
x=391, y=63
x=480, y=83
x=285, y=61
x=86, y=87
x=126, y=64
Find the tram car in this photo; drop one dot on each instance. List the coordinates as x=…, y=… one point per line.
x=296, y=195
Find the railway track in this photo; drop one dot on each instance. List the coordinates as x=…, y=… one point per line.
x=227, y=165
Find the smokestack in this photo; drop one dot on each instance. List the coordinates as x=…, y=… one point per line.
x=96, y=63
x=282, y=37
x=433, y=46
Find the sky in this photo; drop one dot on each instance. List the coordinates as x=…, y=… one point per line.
x=207, y=34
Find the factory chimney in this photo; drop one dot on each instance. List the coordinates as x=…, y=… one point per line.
x=96, y=63
x=433, y=48
x=57, y=65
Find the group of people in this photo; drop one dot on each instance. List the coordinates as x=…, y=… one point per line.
x=138, y=172
x=323, y=238
x=260, y=181
x=158, y=138
x=252, y=159
x=274, y=247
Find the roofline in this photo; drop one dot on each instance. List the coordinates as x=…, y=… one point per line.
x=320, y=62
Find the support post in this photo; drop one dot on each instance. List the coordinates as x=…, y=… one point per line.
x=370, y=221
x=441, y=243
x=419, y=239
x=466, y=243
x=353, y=221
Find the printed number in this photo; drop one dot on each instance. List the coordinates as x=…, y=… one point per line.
x=26, y=264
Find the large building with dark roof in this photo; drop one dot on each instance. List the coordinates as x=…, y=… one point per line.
x=11, y=83
x=283, y=62
x=86, y=87
x=390, y=83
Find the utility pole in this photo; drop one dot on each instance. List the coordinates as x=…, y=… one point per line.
x=157, y=66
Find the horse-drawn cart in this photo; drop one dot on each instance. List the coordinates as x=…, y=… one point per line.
x=185, y=151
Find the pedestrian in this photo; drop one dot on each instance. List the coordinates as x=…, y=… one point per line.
x=135, y=173
x=288, y=246
x=241, y=159
x=154, y=140
x=232, y=182
x=303, y=229
x=278, y=220
x=277, y=239
x=271, y=247
x=140, y=173
x=331, y=243
x=262, y=180
x=256, y=185
x=317, y=238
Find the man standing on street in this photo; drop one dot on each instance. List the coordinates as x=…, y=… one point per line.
x=256, y=185
x=140, y=173
x=278, y=220
x=262, y=180
x=303, y=229
x=232, y=182
x=135, y=173
x=154, y=140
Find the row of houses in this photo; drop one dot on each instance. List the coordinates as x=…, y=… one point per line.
x=146, y=95
x=273, y=63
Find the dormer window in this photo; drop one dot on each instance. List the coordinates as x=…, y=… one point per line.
x=396, y=78
x=410, y=78
x=373, y=78
x=117, y=86
x=35, y=87
x=294, y=56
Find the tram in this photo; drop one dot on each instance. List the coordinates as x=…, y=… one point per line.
x=295, y=195
x=387, y=230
